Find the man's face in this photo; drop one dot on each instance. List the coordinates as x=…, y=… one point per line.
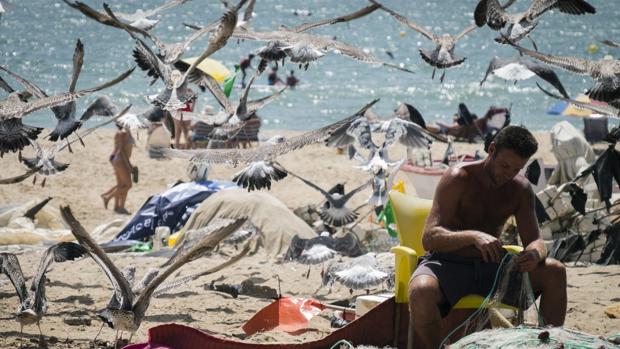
x=503, y=165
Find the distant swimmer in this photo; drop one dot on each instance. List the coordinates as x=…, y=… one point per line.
x=243, y=65
x=291, y=80
x=272, y=77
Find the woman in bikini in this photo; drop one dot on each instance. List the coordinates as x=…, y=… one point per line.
x=182, y=123
x=123, y=145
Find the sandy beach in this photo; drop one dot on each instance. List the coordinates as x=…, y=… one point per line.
x=76, y=291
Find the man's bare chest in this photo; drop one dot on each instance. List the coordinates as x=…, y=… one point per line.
x=485, y=211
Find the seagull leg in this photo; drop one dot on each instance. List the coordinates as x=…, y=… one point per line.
x=307, y=65
x=98, y=333
x=433, y=76
x=41, y=337
x=533, y=43
x=308, y=273
x=443, y=75
x=130, y=337
x=43, y=182
x=21, y=335
x=69, y=146
x=34, y=180
x=116, y=340
x=80, y=139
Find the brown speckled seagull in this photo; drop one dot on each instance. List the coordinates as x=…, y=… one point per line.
x=442, y=56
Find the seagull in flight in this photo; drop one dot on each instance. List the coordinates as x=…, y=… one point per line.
x=13, y=108
x=520, y=68
x=335, y=213
x=261, y=167
x=605, y=71
x=442, y=57
x=139, y=19
x=491, y=13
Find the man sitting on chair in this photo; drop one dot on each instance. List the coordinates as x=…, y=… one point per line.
x=472, y=202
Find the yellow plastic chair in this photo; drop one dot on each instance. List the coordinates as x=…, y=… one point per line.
x=410, y=213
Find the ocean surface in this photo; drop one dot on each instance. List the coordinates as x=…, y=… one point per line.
x=37, y=39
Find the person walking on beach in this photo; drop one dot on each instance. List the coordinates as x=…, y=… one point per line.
x=243, y=65
x=123, y=145
x=182, y=123
x=291, y=80
x=471, y=204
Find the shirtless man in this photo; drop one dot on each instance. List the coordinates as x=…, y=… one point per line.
x=472, y=202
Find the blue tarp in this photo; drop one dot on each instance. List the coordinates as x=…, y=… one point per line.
x=171, y=208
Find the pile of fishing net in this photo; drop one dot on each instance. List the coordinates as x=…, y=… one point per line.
x=532, y=337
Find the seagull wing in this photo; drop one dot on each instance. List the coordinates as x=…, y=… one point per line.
x=597, y=108
x=407, y=133
x=165, y=6
x=573, y=7
x=9, y=265
x=327, y=195
x=465, y=31
x=341, y=19
x=5, y=86
x=70, y=96
x=573, y=64
x=29, y=86
x=208, y=243
x=547, y=74
x=101, y=106
x=214, y=156
x=402, y=19
x=349, y=51
x=122, y=289
x=611, y=43
x=60, y=252
x=92, y=129
x=341, y=136
x=218, y=39
x=78, y=61
x=257, y=104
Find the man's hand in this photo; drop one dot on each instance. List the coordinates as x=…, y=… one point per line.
x=489, y=246
x=527, y=260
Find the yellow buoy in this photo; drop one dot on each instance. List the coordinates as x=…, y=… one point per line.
x=402, y=33
x=592, y=49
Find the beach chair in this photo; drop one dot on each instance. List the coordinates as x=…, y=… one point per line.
x=247, y=134
x=410, y=213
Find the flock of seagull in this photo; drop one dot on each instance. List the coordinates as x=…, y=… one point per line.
x=162, y=62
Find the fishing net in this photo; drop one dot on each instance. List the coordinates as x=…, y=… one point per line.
x=512, y=287
x=510, y=295
x=532, y=337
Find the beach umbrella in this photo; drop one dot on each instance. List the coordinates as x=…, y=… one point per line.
x=286, y=314
x=213, y=68
x=569, y=109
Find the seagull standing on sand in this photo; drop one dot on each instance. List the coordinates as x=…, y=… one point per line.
x=362, y=272
x=33, y=303
x=261, y=168
x=520, y=68
x=442, y=56
x=123, y=312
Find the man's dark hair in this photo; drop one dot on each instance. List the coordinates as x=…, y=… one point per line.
x=518, y=139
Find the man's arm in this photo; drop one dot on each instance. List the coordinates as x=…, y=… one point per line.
x=527, y=224
x=439, y=237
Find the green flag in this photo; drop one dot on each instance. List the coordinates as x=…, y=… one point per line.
x=387, y=217
x=230, y=81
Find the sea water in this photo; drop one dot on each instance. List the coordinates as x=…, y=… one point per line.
x=37, y=39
